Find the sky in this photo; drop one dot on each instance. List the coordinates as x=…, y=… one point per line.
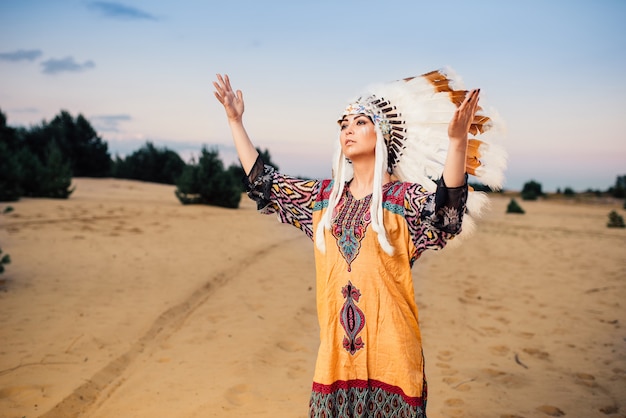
x=142, y=70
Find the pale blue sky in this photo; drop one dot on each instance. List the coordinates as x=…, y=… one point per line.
x=142, y=70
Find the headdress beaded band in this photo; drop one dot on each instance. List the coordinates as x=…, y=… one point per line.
x=380, y=112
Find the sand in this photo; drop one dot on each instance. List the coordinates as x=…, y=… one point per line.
x=122, y=302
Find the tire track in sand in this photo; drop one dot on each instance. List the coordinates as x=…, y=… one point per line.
x=83, y=398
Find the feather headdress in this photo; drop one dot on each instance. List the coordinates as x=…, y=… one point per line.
x=412, y=117
x=419, y=109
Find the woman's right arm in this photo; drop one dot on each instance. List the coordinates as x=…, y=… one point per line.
x=291, y=198
x=234, y=107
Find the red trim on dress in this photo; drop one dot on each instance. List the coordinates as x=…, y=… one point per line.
x=364, y=384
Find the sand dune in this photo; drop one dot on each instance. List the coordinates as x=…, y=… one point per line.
x=122, y=302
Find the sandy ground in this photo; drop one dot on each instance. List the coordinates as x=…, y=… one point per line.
x=122, y=302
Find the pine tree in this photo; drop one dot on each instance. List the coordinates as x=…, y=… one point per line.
x=531, y=191
x=10, y=175
x=58, y=175
x=514, y=207
x=208, y=182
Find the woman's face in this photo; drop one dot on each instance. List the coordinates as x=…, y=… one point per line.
x=357, y=136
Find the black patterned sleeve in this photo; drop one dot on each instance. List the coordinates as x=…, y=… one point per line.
x=434, y=218
x=290, y=198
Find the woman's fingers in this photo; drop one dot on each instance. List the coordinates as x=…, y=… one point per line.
x=224, y=83
x=470, y=105
x=475, y=97
x=232, y=101
x=218, y=89
x=224, y=92
x=220, y=85
x=462, y=120
x=472, y=97
x=227, y=82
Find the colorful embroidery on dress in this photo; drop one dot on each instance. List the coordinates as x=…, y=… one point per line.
x=393, y=198
x=290, y=197
x=361, y=399
x=349, y=225
x=352, y=319
x=431, y=226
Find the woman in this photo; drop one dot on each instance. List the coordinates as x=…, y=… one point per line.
x=368, y=229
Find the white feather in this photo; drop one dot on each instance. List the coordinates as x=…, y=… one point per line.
x=426, y=114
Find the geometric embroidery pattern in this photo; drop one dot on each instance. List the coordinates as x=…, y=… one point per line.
x=360, y=399
x=431, y=226
x=349, y=224
x=352, y=319
x=297, y=199
x=291, y=198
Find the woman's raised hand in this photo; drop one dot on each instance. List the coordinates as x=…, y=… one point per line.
x=458, y=129
x=463, y=116
x=232, y=102
x=233, y=105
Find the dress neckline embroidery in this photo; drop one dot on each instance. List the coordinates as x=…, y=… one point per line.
x=386, y=187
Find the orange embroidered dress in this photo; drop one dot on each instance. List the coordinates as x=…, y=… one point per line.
x=370, y=361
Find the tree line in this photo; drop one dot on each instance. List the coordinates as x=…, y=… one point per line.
x=533, y=190
x=41, y=160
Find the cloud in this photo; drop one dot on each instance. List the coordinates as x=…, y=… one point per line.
x=21, y=55
x=109, y=123
x=119, y=11
x=67, y=64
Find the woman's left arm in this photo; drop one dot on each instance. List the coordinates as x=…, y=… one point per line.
x=454, y=169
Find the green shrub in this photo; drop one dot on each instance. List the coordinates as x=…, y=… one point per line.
x=33, y=170
x=615, y=220
x=531, y=191
x=58, y=178
x=6, y=259
x=207, y=182
x=619, y=189
x=51, y=178
x=10, y=175
x=188, y=185
x=514, y=207
x=236, y=171
x=569, y=192
x=479, y=187
x=149, y=163
x=30, y=176
x=79, y=144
